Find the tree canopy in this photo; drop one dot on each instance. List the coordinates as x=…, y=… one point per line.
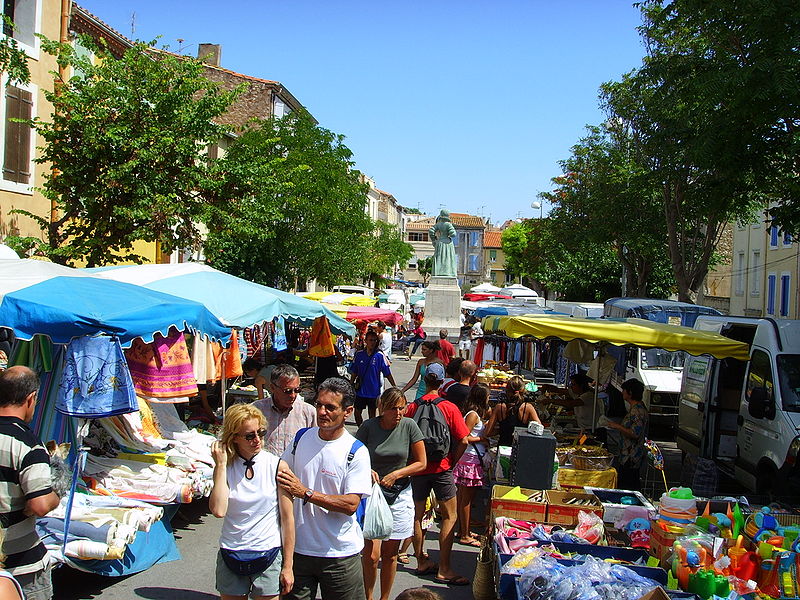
x=298, y=211
x=127, y=143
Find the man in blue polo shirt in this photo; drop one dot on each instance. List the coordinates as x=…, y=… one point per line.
x=366, y=372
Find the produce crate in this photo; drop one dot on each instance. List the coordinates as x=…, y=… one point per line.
x=559, y=512
x=517, y=509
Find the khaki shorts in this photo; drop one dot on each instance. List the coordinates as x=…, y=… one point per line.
x=267, y=583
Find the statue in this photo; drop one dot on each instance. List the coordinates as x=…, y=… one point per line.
x=444, y=252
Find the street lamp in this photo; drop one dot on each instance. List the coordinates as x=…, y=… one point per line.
x=540, y=206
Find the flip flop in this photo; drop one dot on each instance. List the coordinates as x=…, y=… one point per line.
x=472, y=542
x=434, y=568
x=402, y=558
x=457, y=580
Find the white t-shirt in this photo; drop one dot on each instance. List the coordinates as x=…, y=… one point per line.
x=251, y=522
x=323, y=467
x=385, y=344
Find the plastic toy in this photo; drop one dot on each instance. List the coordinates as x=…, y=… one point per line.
x=639, y=532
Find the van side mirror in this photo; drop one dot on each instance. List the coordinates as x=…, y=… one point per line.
x=760, y=405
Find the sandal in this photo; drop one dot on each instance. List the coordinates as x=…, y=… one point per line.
x=402, y=558
x=456, y=580
x=470, y=542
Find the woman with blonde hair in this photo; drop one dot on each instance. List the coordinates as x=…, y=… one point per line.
x=257, y=541
x=396, y=451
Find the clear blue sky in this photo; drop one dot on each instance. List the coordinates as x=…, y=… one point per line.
x=463, y=104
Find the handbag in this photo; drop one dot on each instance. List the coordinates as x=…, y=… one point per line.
x=248, y=562
x=392, y=492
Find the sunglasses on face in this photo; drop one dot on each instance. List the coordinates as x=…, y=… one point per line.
x=262, y=433
x=288, y=391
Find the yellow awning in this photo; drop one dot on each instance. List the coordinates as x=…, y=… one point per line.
x=339, y=298
x=620, y=332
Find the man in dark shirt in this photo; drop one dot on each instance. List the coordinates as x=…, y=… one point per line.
x=25, y=484
x=458, y=392
x=366, y=370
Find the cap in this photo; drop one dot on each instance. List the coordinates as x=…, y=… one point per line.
x=437, y=369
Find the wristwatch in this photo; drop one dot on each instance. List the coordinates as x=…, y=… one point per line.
x=307, y=496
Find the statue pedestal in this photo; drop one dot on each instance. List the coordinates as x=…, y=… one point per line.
x=442, y=306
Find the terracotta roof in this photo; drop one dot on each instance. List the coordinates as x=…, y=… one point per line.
x=491, y=239
x=420, y=225
x=465, y=220
x=82, y=21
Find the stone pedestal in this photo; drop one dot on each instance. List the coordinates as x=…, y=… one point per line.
x=442, y=306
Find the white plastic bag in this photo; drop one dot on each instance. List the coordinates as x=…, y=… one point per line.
x=378, y=520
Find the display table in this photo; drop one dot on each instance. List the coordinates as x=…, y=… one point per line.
x=569, y=478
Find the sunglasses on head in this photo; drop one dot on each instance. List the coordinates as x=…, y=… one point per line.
x=252, y=435
x=291, y=390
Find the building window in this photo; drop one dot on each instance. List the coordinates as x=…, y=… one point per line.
x=474, y=238
x=416, y=236
x=755, y=267
x=771, y=293
x=25, y=16
x=493, y=255
x=773, y=237
x=17, y=139
x=279, y=107
x=786, y=280
x=473, y=262
x=740, y=274
x=787, y=240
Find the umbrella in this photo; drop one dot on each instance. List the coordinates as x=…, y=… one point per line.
x=63, y=303
x=366, y=313
x=235, y=301
x=339, y=298
x=7, y=253
x=485, y=288
x=517, y=290
x=621, y=332
x=477, y=297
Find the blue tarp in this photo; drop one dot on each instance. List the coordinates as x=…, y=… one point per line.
x=659, y=311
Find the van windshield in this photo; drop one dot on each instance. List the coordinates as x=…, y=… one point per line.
x=789, y=377
x=656, y=358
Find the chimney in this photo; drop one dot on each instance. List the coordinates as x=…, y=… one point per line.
x=211, y=54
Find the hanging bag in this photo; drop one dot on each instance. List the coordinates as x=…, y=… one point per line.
x=483, y=587
x=378, y=520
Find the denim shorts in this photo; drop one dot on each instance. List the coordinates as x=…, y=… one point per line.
x=267, y=583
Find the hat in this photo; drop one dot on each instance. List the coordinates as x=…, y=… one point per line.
x=436, y=369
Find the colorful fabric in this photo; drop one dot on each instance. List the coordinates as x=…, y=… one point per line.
x=162, y=369
x=206, y=360
x=321, y=342
x=633, y=449
x=96, y=381
x=232, y=359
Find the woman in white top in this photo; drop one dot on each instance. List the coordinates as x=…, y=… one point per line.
x=468, y=472
x=257, y=540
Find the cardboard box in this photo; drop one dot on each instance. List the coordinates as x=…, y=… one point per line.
x=655, y=594
x=559, y=512
x=517, y=509
x=661, y=543
x=613, y=508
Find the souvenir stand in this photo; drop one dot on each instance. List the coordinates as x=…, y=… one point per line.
x=564, y=538
x=71, y=328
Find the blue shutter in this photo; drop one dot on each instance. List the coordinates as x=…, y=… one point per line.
x=771, y=295
x=773, y=237
x=785, y=279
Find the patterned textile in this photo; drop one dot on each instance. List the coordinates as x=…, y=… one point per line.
x=633, y=449
x=96, y=381
x=162, y=369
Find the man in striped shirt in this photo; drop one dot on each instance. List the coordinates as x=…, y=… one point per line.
x=25, y=484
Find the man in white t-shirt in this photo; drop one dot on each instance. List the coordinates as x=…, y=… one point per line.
x=329, y=476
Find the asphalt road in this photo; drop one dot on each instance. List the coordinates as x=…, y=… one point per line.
x=197, y=534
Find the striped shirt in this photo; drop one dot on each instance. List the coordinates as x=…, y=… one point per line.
x=24, y=474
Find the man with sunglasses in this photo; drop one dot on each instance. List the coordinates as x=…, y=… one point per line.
x=286, y=411
x=330, y=474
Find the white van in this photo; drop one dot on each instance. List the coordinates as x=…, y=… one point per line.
x=746, y=415
x=354, y=289
x=583, y=310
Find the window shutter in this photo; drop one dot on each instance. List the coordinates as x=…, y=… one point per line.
x=17, y=159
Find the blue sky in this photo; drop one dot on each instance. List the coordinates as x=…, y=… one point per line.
x=459, y=104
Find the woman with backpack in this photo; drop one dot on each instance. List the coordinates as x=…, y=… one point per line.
x=515, y=411
x=429, y=357
x=468, y=473
x=396, y=451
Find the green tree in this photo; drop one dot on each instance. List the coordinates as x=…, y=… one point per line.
x=602, y=180
x=13, y=60
x=127, y=142
x=425, y=268
x=565, y=265
x=385, y=252
x=299, y=206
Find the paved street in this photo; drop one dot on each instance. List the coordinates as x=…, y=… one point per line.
x=197, y=532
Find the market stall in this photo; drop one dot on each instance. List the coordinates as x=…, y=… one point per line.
x=339, y=298
x=366, y=314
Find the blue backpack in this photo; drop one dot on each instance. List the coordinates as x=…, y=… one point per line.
x=362, y=506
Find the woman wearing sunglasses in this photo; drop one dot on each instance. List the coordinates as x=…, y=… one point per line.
x=257, y=539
